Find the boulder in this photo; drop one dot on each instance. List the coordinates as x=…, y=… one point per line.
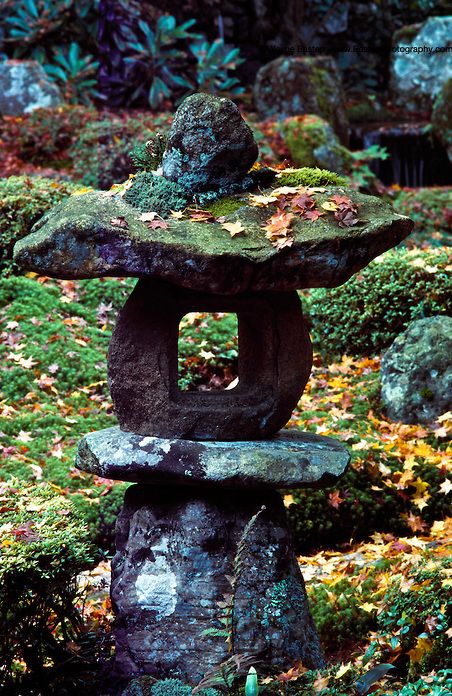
x=312, y=142
x=442, y=117
x=291, y=86
x=209, y=144
x=416, y=372
x=418, y=71
x=24, y=86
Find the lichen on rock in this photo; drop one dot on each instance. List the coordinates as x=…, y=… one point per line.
x=209, y=144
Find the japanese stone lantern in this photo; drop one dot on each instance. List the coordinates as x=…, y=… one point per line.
x=204, y=567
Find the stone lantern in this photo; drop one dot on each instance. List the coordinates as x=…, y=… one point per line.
x=204, y=567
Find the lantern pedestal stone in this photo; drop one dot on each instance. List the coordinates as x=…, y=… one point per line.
x=193, y=571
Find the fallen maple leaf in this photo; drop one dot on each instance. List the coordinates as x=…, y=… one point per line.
x=343, y=669
x=234, y=228
x=154, y=224
x=329, y=205
x=119, y=222
x=146, y=217
x=422, y=647
x=198, y=215
x=279, y=223
x=320, y=683
x=257, y=200
x=302, y=202
x=312, y=215
x=446, y=487
x=334, y=499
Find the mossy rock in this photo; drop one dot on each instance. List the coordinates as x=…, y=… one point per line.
x=312, y=143
x=291, y=86
x=98, y=234
x=442, y=117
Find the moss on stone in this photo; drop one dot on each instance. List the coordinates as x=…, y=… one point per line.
x=312, y=142
x=224, y=206
x=150, y=192
x=310, y=176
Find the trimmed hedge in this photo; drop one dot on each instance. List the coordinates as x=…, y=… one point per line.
x=365, y=315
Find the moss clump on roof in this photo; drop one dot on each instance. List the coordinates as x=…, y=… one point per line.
x=310, y=176
x=225, y=206
x=150, y=192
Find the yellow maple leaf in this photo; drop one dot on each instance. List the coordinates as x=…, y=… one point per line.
x=420, y=486
x=234, y=228
x=446, y=487
x=261, y=200
x=177, y=214
x=343, y=669
x=81, y=191
x=368, y=606
x=422, y=647
x=329, y=205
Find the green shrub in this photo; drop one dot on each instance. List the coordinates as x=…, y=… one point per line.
x=23, y=200
x=147, y=686
x=367, y=506
x=150, y=192
x=43, y=547
x=335, y=608
x=43, y=136
x=101, y=154
x=364, y=316
x=431, y=210
x=100, y=515
x=418, y=614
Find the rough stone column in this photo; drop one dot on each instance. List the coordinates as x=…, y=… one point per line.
x=181, y=554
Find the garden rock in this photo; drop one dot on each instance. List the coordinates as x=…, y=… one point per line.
x=291, y=86
x=417, y=77
x=209, y=144
x=416, y=372
x=24, y=86
x=312, y=142
x=442, y=117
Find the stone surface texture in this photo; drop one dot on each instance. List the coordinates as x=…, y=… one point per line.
x=292, y=459
x=291, y=86
x=417, y=78
x=209, y=144
x=175, y=551
x=274, y=363
x=97, y=234
x=416, y=372
x=24, y=87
